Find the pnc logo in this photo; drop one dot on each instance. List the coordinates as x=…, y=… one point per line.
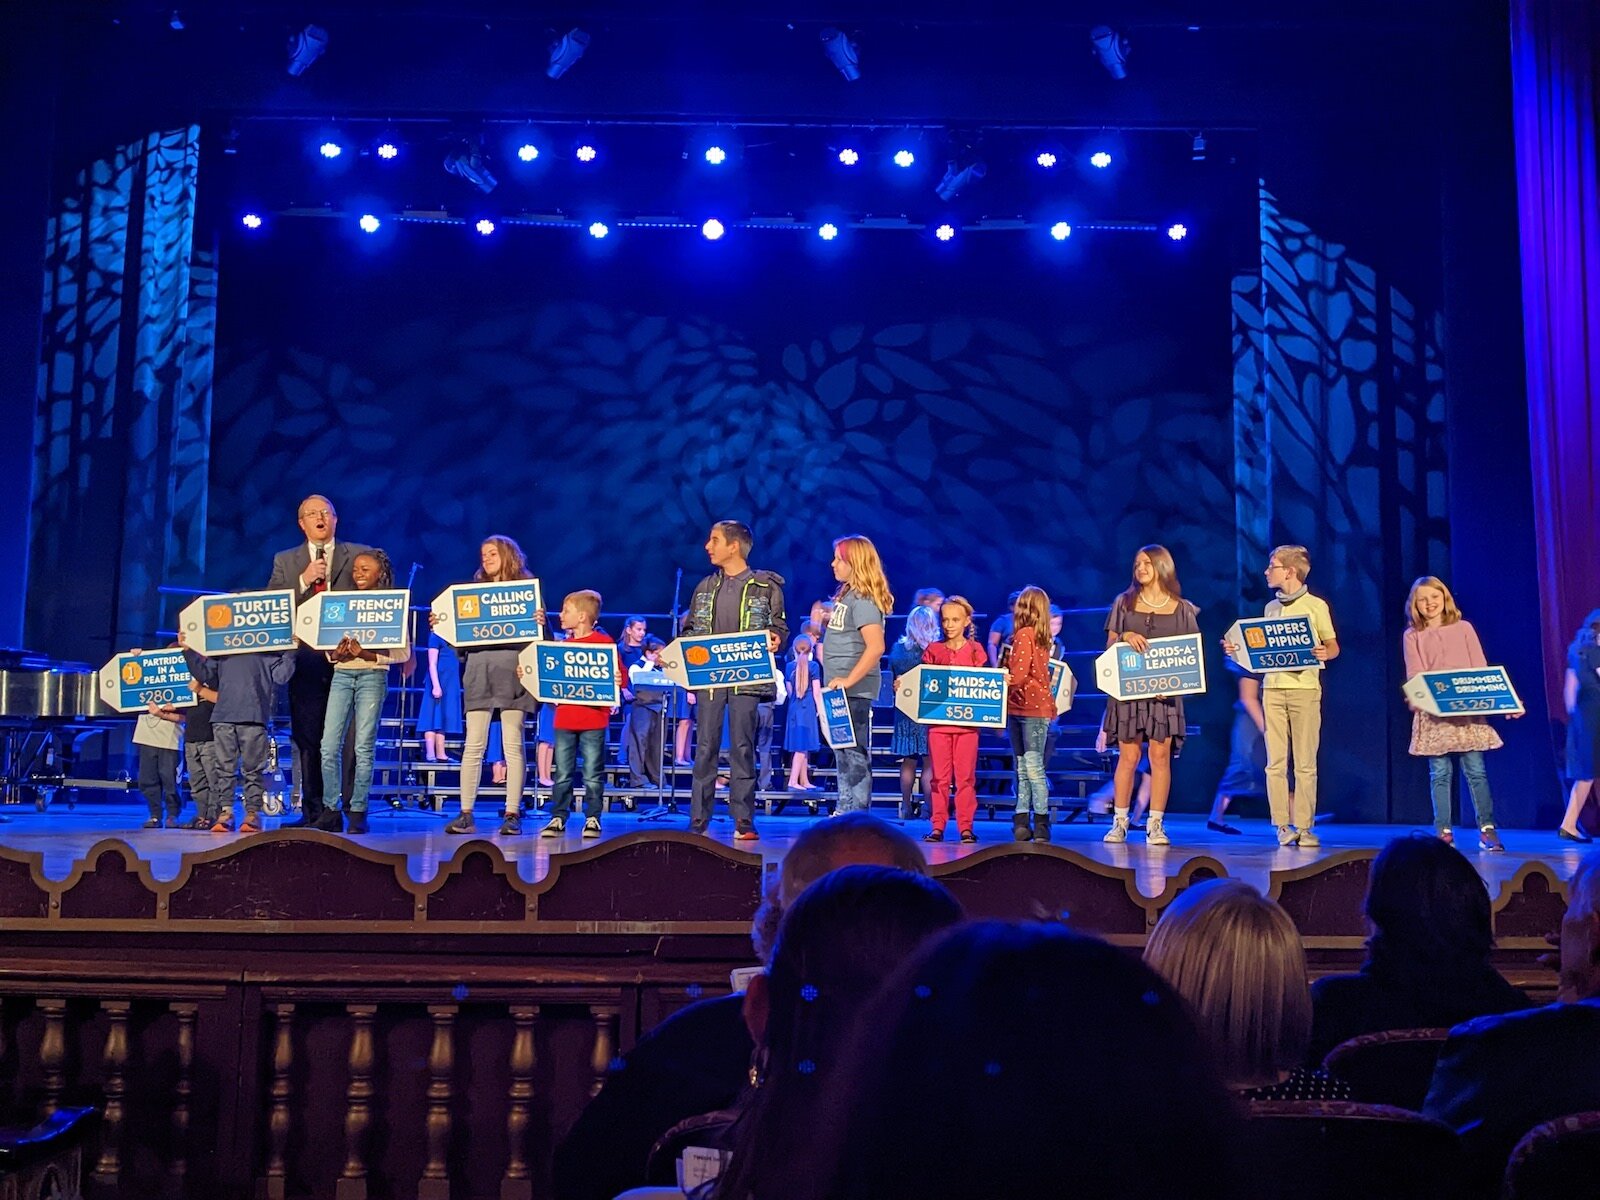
x=132, y=672
x=697, y=656
x=467, y=608
x=1255, y=638
x=219, y=616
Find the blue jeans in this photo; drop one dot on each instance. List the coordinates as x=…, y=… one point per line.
x=1028, y=736
x=593, y=744
x=1442, y=782
x=854, y=763
x=358, y=694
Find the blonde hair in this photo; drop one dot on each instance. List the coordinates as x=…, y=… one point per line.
x=1032, y=611
x=965, y=606
x=866, y=571
x=1295, y=559
x=587, y=602
x=1448, y=616
x=1166, y=572
x=513, y=563
x=802, y=662
x=922, y=627
x=1236, y=959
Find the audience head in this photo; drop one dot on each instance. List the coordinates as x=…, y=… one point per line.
x=1580, y=933
x=854, y=839
x=1588, y=631
x=1045, y=1030
x=1429, y=911
x=1236, y=958
x=922, y=627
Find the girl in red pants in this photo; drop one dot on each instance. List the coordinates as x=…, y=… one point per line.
x=953, y=749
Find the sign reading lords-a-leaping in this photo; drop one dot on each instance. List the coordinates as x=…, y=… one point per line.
x=1063, y=685
x=974, y=696
x=1472, y=692
x=837, y=727
x=586, y=673
x=489, y=614
x=1268, y=644
x=239, y=623
x=1171, y=666
x=377, y=620
x=720, y=660
x=129, y=682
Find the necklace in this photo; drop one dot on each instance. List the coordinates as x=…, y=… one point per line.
x=1152, y=605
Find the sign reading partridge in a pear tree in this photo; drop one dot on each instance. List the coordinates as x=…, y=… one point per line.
x=720, y=660
x=377, y=620
x=239, y=623
x=489, y=614
x=1469, y=692
x=1171, y=666
x=131, y=682
x=972, y=696
x=587, y=673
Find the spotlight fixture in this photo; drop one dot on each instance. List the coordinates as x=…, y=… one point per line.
x=565, y=51
x=369, y=223
x=387, y=150
x=1197, y=152
x=944, y=233
x=586, y=153
x=712, y=229
x=828, y=232
x=250, y=221
x=1177, y=232
x=176, y=20
x=527, y=152
x=1100, y=159
x=716, y=155
x=485, y=226
x=959, y=175
x=1061, y=231
x=1112, y=47
x=1046, y=160
x=330, y=149
x=598, y=230
x=849, y=157
x=306, y=47
x=467, y=161
x=904, y=158
x=842, y=53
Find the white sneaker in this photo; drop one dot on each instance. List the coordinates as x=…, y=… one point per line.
x=1309, y=840
x=556, y=828
x=1118, y=831
x=591, y=827
x=1155, y=833
x=1287, y=836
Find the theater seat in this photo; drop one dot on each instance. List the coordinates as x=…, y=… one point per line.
x=1392, y=1067
x=1341, y=1150
x=1557, y=1160
x=708, y=1129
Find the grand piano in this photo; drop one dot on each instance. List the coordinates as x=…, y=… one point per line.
x=47, y=709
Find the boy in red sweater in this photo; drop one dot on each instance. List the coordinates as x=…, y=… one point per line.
x=579, y=727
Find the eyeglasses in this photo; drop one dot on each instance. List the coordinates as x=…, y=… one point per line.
x=311, y=514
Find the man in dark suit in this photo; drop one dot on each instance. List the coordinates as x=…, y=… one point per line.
x=1500, y=1076
x=317, y=564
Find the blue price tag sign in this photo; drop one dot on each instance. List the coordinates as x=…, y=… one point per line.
x=239, y=623
x=1063, y=685
x=971, y=696
x=837, y=727
x=1473, y=692
x=489, y=614
x=378, y=620
x=1268, y=644
x=1171, y=666
x=720, y=660
x=129, y=682
x=586, y=673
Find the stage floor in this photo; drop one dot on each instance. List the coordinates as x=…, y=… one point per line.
x=64, y=835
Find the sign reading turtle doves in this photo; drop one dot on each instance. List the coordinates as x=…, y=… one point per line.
x=1267, y=644
x=131, y=682
x=702, y=662
x=239, y=623
x=1465, y=692
x=1171, y=666
x=971, y=696
x=586, y=673
x=489, y=614
x=376, y=619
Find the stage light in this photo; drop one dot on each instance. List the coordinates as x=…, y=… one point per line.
x=1100, y=159
x=1046, y=160
x=306, y=47
x=598, y=230
x=369, y=223
x=586, y=153
x=1112, y=47
x=828, y=232
x=250, y=221
x=944, y=233
x=958, y=176
x=716, y=155
x=565, y=51
x=1061, y=231
x=1197, y=152
x=1177, y=232
x=330, y=149
x=842, y=53
x=849, y=157
x=904, y=158
x=388, y=150
x=712, y=229
x=527, y=152
x=466, y=161
x=176, y=21
x=485, y=226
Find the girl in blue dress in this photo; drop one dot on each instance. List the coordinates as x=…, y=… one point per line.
x=801, y=733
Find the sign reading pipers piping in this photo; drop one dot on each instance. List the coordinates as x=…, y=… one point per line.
x=1063, y=685
x=378, y=620
x=1468, y=692
x=720, y=660
x=239, y=623
x=586, y=673
x=129, y=682
x=837, y=727
x=489, y=614
x=1172, y=666
x=1267, y=644
x=974, y=696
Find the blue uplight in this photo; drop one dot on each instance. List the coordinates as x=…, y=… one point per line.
x=527, y=152
x=904, y=158
x=1100, y=159
x=250, y=221
x=586, y=153
x=388, y=150
x=1046, y=160
x=369, y=223
x=716, y=155
x=712, y=229
x=485, y=227
x=1177, y=232
x=944, y=233
x=828, y=232
x=599, y=229
x=849, y=157
x=1061, y=231
x=330, y=149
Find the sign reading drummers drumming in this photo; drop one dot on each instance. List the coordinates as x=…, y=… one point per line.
x=584, y=673
x=1268, y=644
x=377, y=620
x=489, y=614
x=1467, y=692
x=1172, y=666
x=720, y=660
x=239, y=623
x=129, y=682
x=974, y=696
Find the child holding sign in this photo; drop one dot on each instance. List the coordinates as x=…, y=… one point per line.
x=580, y=727
x=1152, y=607
x=953, y=749
x=1030, y=707
x=910, y=743
x=1438, y=639
x=851, y=654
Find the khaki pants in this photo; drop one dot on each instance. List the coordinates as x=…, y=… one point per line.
x=1294, y=718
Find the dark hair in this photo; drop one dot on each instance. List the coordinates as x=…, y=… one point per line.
x=652, y=642
x=1429, y=910
x=1041, y=1025
x=843, y=935
x=385, y=567
x=736, y=531
x=1588, y=632
x=634, y=620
